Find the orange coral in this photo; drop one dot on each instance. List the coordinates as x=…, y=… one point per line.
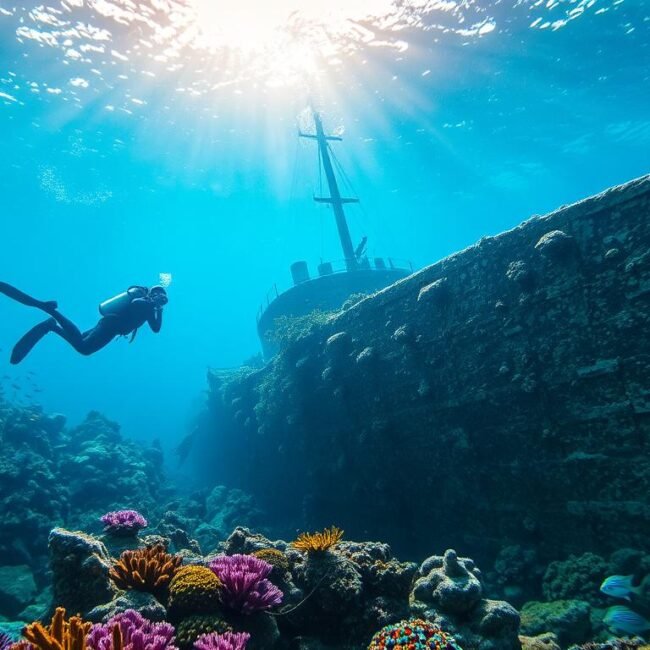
x=146, y=569
x=318, y=542
x=59, y=635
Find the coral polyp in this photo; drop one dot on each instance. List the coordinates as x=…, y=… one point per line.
x=123, y=523
x=318, y=542
x=61, y=634
x=150, y=569
x=413, y=634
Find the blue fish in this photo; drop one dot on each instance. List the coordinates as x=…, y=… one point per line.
x=619, y=587
x=622, y=620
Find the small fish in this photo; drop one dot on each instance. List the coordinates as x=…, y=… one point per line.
x=16, y=386
x=619, y=587
x=622, y=620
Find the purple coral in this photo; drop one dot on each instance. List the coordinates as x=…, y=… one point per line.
x=138, y=633
x=5, y=641
x=245, y=586
x=226, y=641
x=123, y=523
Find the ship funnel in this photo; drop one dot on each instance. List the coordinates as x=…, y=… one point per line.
x=299, y=272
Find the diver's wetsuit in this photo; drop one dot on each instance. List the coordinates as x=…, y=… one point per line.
x=138, y=312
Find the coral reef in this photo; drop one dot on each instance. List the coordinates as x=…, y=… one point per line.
x=225, y=641
x=194, y=590
x=131, y=631
x=547, y=641
x=449, y=592
x=577, y=578
x=569, y=620
x=123, y=523
x=245, y=588
x=150, y=569
x=54, y=475
x=318, y=542
x=192, y=627
x=61, y=634
x=414, y=634
x=81, y=566
x=277, y=559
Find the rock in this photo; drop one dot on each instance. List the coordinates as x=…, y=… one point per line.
x=436, y=292
x=17, y=588
x=576, y=578
x=556, y=245
x=546, y=641
x=80, y=564
x=448, y=583
x=519, y=273
x=569, y=620
x=142, y=602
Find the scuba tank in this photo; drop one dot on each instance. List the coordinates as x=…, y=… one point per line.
x=117, y=304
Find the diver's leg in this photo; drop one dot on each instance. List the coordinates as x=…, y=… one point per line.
x=67, y=326
x=30, y=339
x=90, y=341
x=25, y=299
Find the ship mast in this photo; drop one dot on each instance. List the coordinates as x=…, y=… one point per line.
x=335, y=199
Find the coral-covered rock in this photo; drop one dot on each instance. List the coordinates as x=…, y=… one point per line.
x=449, y=592
x=546, y=641
x=80, y=565
x=140, y=601
x=449, y=583
x=569, y=620
x=577, y=578
x=17, y=588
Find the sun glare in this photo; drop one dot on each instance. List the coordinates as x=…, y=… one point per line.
x=286, y=38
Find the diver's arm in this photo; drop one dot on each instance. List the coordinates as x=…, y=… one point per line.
x=155, y=320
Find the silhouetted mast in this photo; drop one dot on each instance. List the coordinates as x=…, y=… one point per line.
x=334, y=199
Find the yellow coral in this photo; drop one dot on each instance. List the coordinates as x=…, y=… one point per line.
x=59, y=635
x=148, y=569
x=277, y=559
x=194, y=589
x=318, y=542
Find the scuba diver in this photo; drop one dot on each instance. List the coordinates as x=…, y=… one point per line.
x=121, y=316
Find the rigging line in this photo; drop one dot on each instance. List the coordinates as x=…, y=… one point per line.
x=366, y=221
x=320, y=212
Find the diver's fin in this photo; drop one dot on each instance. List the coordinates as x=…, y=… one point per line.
x=29, y=340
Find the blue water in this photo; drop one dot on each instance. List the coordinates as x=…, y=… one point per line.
x=142, y=138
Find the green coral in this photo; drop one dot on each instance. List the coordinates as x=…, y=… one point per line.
x=188, y=630
x=569, y=620
x=578, y=577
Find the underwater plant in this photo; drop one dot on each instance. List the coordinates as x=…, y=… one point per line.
x=123, y=523
x=147, y=569
x=318, y=542
x=129, y=630
x=194, y=589
x=58, y=635
x=5, y=641
x=413, y=634
x=227, y=641
x=192, y=627
x=246, y=588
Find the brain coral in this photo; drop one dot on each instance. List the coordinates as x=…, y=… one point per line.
x=194, y=589
x=192, y=627
x=414, y=634
x=277, y=559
